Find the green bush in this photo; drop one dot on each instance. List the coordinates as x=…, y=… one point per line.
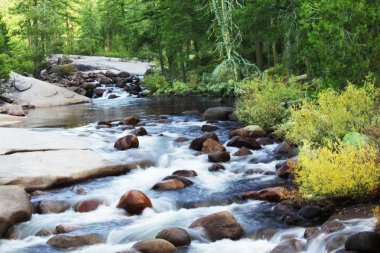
x=5, y=66
x=331, y=116
x=177, y=88
x=266, y=102
x=155, y=81
x=338, y=170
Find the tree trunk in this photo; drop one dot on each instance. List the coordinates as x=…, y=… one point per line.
x=259, y=54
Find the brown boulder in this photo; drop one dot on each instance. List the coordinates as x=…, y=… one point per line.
x=74, y=241
x=63, y=228
x=127, y=142
x=175, y=235
x=219, y=226
x=131, y=121
x=249, y=131
x=218, y=113
x=169, y=185
x=243, y=152
x=283, y=148
x=211, y=146
x=98, y=92
x=265, y=141
x=44, y=232
x=88, y=205
x=275, y=194
x=52, y=206
x=134, y=202
x=155, y=246
x=197, y=143
x=184, y=180
x=185, y=173
x=364, y=242
x=141, y=132
x=240, y=142
x=216, y=167
x=104, y=80
x=219, y=157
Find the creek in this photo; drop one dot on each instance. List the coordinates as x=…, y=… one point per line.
x=210, y=193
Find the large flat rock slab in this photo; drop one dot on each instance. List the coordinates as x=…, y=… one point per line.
x=8, y=119
x=41, y=160
x=15, y=207
x=33, y=92
x=22, y=140
x=101, y=63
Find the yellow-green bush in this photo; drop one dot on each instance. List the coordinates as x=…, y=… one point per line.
x=332, y=116
x=337, y=170
x=266, y=102
x=155, y=81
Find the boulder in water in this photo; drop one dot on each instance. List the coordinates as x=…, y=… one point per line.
x=211, y=146
x=185, y=173
x=181, y=139
x=141, y=132
x=184, y=180
x=209, y=128
x=134, y=202
x=222, y=113
x=169, y=185
x=175, y=235
x=283, y=148
x=15, y=207
x=127, y=142
x=88, y=205
x=218, y=226
x=74, y=241
x=197, y=143
x=243, y=152
x=240, y=142
x=52, y=206
x=368, y=242
x=219, y=157
x=155, y=246
x=216, y=167
x=275, y=194
x=249, y=131
x=131, y=121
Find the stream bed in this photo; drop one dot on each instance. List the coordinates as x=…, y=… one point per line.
x=211, y=192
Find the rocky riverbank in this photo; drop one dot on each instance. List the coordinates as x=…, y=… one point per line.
x=213, y=183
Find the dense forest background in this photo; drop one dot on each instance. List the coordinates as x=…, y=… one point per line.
x=197, y=41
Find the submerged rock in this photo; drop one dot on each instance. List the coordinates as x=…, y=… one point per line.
x=209, y=128
x=218, y=226
x=175, y=235
x=74, y=241
x=141, y=132
x=155, y=246
x=185, y=173
x=52, y=206
x=289, y=246
x=184, y=180
x=219, y=157
x=134, y=202
x=127, y=142
x=131, y=121
x=283, y=148
x=181, y=139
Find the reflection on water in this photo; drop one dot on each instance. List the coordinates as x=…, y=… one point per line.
x=114, y=109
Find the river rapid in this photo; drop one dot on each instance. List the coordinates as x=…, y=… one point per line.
x=211, y=192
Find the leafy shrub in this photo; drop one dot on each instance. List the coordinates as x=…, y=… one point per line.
x=331, y=116
x=265, y=102
x=5, y=66
x=66, y=69
x=155, y=81
x=337, y=170
x=178, y=88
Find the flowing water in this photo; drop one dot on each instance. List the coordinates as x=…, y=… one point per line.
x=211, y=192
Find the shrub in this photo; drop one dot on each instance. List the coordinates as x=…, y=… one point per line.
x=177, y=88
x=155, y=81
x=66, y=69
x=5, y=67
x=337, y=170
x=332, y=116
x=265, y=102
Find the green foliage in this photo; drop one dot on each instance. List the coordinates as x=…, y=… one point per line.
x=66, y=69
x=155, y=81
x=5, y=66
x=338, y=170
x=332, y=116
x=264, y=102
